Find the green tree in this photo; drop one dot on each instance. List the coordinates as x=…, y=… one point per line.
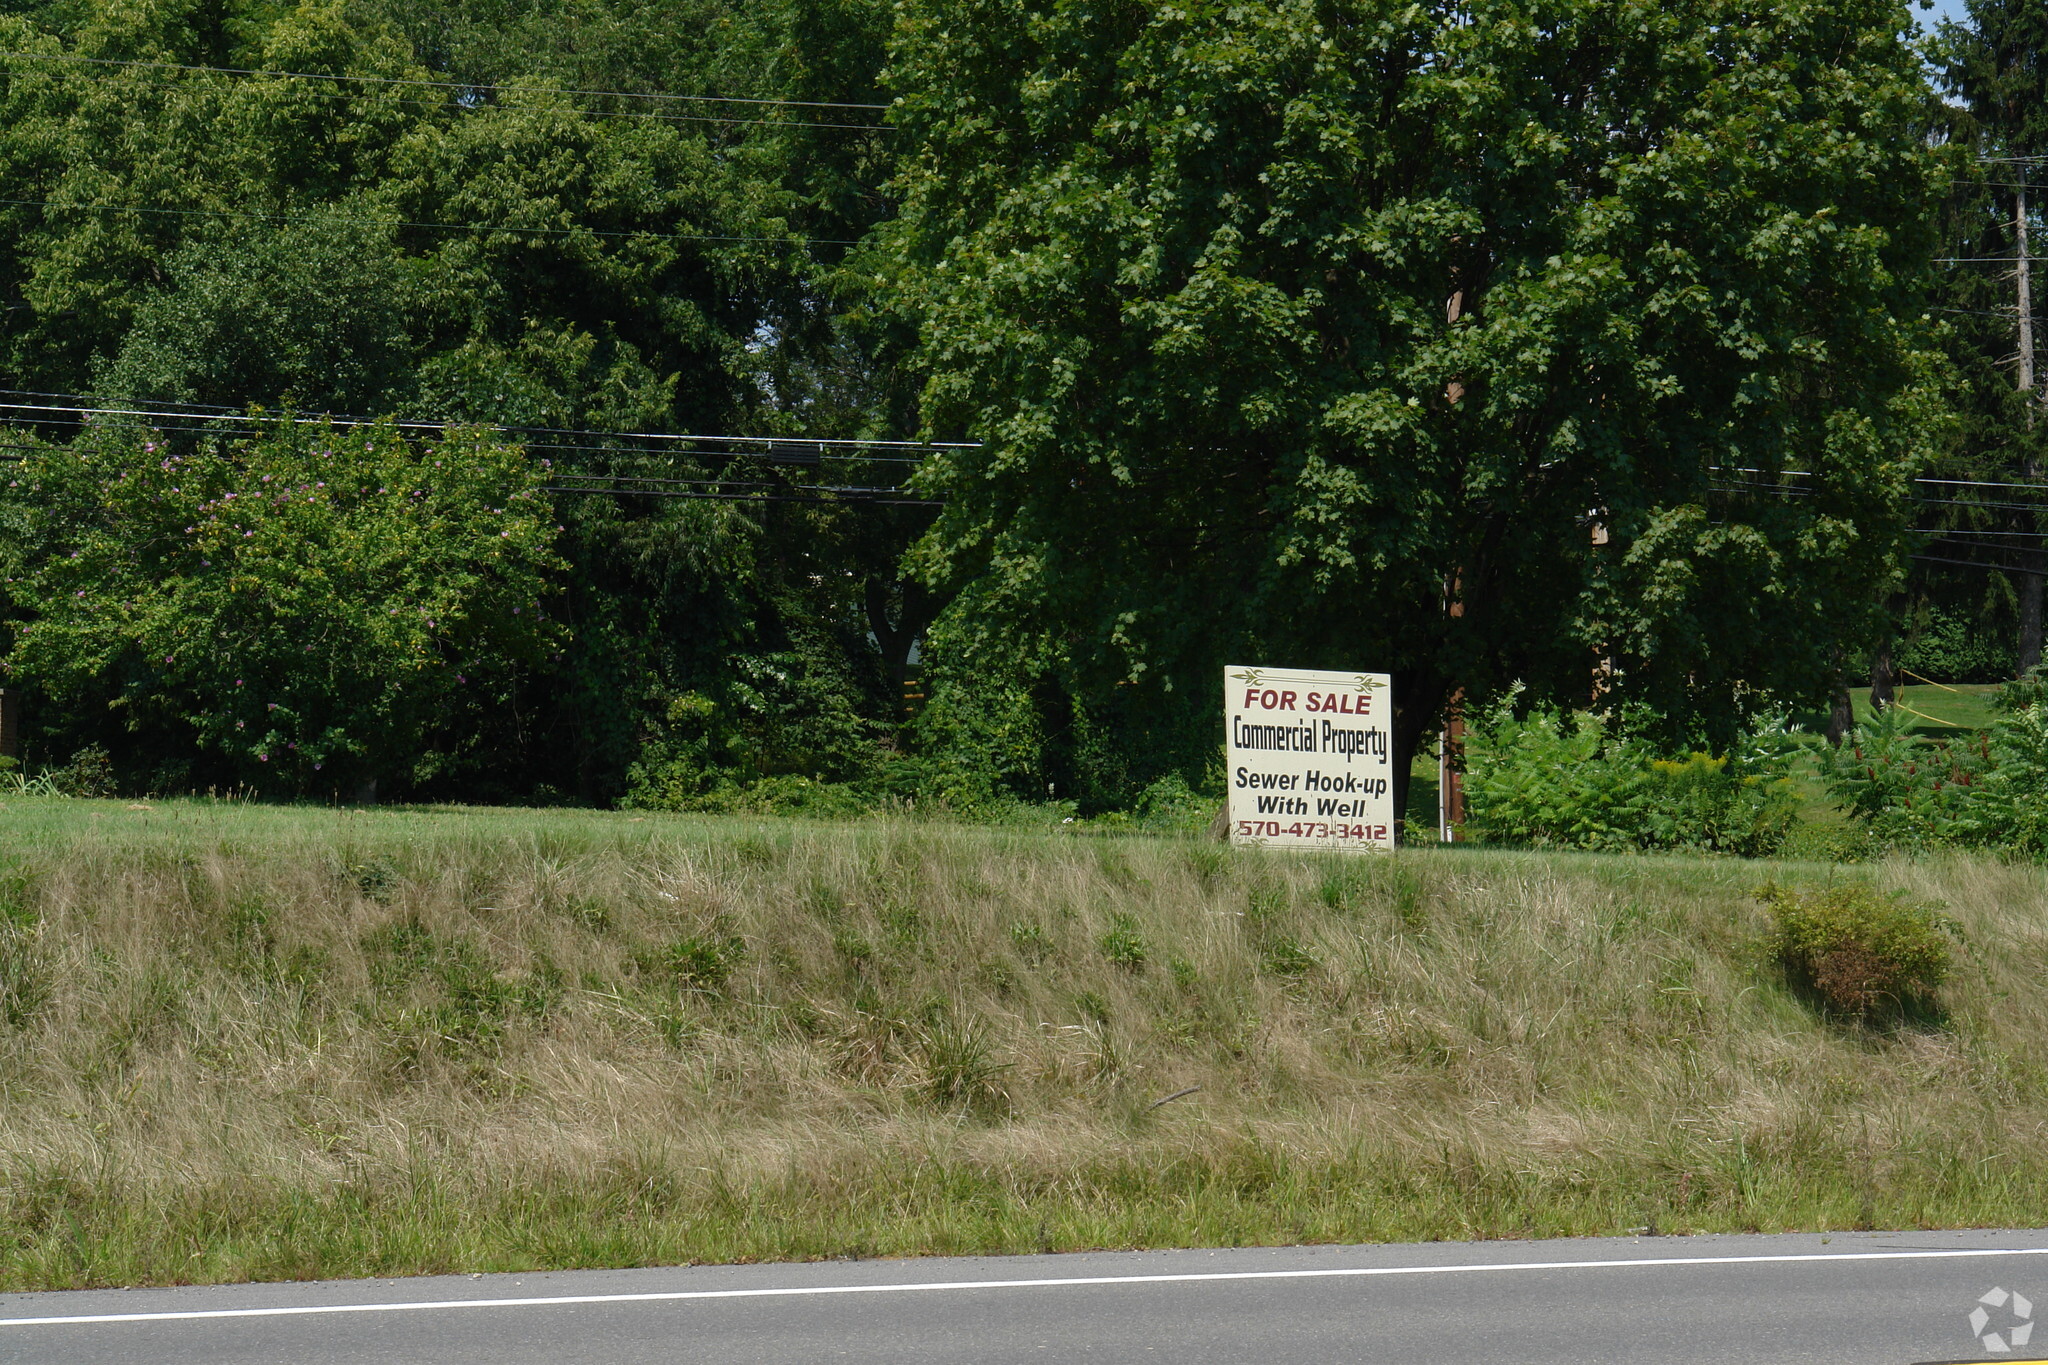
x=478, y=233
x=300, y=614
x=1338, y=333
x=1995, y=66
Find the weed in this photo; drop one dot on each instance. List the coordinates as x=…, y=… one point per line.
x=753, y=852
x=1286, y=957
x=1122, y=944
x=1264, y=903
x=702, y=962
x=1860, y=951
x=24, y=985
x=1030, y=940
x=375, y=879
x=1208, y=862
x=904, y=925
x=958, y=1066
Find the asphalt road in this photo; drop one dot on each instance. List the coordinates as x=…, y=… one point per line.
x=1856, y=1299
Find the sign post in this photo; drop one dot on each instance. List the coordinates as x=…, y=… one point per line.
x=1310, y=758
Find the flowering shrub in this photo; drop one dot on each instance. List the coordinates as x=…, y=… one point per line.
x=314, y=609
x=1987, y=791
x=1571, y=782
x=1858, y=950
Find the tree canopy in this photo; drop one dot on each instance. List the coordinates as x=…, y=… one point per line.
x=1586, y=344
x=1473, y=342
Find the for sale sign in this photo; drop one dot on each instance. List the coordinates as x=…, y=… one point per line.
x=1310, y=758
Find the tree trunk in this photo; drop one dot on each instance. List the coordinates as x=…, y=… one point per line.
x=895, y=639
x=1842, y=715
x=1883, y=682
x=1418, y=704
x=2030, y=621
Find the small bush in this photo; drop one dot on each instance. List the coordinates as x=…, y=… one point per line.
x=89, y=773
x=1857, y=950
x=1032, y=943
x=703, y=962
x=1123, y=944
x=1988, y=790
x=959, y=1067
x=1576, y=782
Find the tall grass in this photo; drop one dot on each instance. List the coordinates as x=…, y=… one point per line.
x=249, y=1043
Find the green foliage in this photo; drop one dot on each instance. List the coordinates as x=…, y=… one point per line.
x=959, y=1065
x=484, y=245
x=1949, y=646
x=1123, y=943
x=1274, y=318
x=702, y=962
x=1577, y=782
x=1987, y=791
x=297, y=614
x=1857, y=950
x=90, y=772
x=2027, y=690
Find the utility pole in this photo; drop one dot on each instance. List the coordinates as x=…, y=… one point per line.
x=2030, y=581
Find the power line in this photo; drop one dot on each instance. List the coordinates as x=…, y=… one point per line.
x=445, y=227
x=458, y=104
x=758, y=497
x=427, y=84
x=805, y=449
x=779, y=450
x=1969, y=563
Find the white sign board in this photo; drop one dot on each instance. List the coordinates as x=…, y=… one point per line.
x=1309, y=758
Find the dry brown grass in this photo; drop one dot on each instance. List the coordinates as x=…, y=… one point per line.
x=262, y=1043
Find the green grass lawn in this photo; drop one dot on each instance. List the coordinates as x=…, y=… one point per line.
x=247, y=1042
x=1940, y=710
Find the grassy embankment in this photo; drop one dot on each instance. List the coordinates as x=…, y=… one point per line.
x=263, y=1043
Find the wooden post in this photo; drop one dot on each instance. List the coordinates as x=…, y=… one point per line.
x=1450, y=781
x=2030, y=581
x=1450, y=775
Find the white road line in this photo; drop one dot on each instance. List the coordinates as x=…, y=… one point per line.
x=1334, y=1272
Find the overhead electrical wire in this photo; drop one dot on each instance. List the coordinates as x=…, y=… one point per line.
x=456, y=104
x=443, y=227
x=839, y=447
x=428, y=84
x=209, y=419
